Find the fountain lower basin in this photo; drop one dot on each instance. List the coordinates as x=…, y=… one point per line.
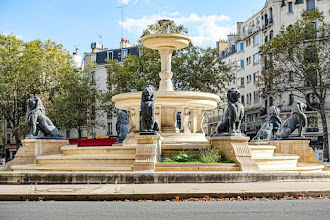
x=192, y=106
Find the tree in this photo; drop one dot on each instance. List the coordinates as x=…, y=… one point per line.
x=194, y=68
x=75, y=105
x=297, y=59
x=28, y=69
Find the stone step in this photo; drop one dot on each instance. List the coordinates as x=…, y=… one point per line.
x=94, y=150
x=87, y=159
x=262, y=150
x=201, y=167
x=299, y=167
x=277, y=161
x=37, y=168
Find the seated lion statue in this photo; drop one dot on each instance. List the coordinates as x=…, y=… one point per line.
x=297, y=120
x=148, y=105
x=38, y=121
x=233, y=116
x=269, y=128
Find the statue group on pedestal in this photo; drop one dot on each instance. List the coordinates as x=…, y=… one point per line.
x=271, y=129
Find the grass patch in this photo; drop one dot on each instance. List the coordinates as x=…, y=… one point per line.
x=204, y=156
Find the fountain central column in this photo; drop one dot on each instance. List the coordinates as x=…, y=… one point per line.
x=166, y=74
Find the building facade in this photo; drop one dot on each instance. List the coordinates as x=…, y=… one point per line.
x=242, y=54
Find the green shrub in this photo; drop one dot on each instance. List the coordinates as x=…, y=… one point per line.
x=210, y=156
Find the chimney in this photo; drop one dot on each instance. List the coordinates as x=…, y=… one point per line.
x=76, y=51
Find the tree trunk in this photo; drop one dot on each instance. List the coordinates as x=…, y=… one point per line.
x=325, y=132
x=17, y=142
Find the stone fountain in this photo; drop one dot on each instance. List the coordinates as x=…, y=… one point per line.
x=192, y=105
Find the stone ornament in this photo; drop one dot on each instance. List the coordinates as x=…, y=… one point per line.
x=297, y=120
x=232, y=118
x=270, y=127
x=121, y=127
x=149, y=126
x=38, y=121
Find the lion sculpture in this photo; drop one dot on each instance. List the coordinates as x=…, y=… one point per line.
x=270, y=127
x=233, y=116
x=297, y=120
x=121, y=127
x=149, y=125
x=38, y=121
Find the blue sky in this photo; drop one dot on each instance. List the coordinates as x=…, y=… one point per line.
x=79, y=22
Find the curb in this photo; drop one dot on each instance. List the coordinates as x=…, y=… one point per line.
x=158, y=196
x=157, y=177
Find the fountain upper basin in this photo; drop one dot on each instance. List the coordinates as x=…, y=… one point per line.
x=158, y=41
x=190, y=99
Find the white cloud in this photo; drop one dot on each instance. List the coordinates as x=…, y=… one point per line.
x=125, y=2
x=203, y=30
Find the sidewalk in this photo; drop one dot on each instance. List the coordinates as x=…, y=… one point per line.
x=162, y=191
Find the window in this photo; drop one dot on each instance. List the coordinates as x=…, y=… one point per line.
x=266, y=39
x=256, y=40
x=312, y=122
x=242, y=64
x=290, y=7
x=124, y=54
x=255, y=76
x=248, y=78
x=242, y=99
x=271, y=35
x=110, y=55
x=248, y=42
x=241, y=46
x=242, y=82
x=248, y=60
x=310, y=5
x=291, y=99
x=271, y=101
x=256, y=96
x=249, y=98
x=255, y=59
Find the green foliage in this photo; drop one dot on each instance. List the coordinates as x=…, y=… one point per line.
x=173, y=28
x=205, y=156
x=74, y=106
x=210, y=156
x=28, y=69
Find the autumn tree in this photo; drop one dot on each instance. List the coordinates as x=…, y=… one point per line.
x=298, y=60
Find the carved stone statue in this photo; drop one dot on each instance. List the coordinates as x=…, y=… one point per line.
x=270, y=127
x=231, y=120
x=121, y=127
x=186, y=120
x=149, y=126
x=297, y=120
x=38, y=121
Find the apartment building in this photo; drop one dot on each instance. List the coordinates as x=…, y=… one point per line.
x=242, y=54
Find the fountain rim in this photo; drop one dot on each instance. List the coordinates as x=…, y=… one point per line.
x=170, y=94
x=165, y=35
